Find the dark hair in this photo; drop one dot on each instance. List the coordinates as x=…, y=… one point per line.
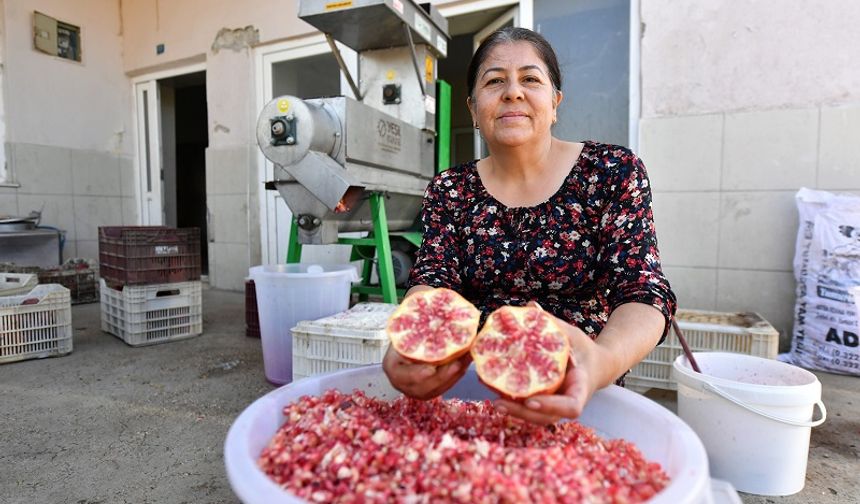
x=508, y=35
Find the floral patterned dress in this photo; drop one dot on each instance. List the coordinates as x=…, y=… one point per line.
x=586, y=250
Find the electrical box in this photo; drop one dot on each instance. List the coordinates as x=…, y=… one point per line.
x=56, y=37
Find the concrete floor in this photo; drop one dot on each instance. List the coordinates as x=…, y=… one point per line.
x=114, y=424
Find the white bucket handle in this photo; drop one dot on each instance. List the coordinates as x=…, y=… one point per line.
x=725, y=395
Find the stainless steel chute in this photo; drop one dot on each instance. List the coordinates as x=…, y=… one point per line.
x=331, y=153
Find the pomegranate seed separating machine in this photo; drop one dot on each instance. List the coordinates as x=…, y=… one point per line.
x=361, y=164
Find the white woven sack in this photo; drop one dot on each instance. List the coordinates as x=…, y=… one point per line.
x=827, y=269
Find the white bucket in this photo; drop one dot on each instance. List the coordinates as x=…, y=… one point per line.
x=754, y=417
x=289, y=293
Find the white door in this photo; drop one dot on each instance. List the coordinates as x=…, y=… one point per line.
x=305, y=69
x=149, y=153
x=149, y=167
x=510, y=18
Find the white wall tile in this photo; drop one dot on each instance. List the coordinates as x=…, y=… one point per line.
x=8, y=201
x=70, y=249
x=130, y=212
x=775, y=149
x=42, y=169
x=212, y=252
x=230, y=265
x=229, y=218
x=839, y=157
x=770, y=293
x=88, y=249
x=682, y=153
x=695, y=288
x=227, y=169
x=94, y=211
x=57, y=211
x=9, y=148
x=687, y=227
x=95, y=173
x=127, y=176
x=758, y=230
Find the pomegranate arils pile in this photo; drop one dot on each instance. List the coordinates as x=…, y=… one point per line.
x=349, y=447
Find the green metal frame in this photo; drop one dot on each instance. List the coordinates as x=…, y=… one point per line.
x=376, y=245
x=443, y=126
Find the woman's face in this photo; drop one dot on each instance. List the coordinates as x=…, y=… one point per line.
x=514, y=102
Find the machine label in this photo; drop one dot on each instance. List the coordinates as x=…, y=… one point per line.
x=338, y=5
x=166, y=249
x=422, y=27
x=442, y=45
x=283, y=105
x=398, y=6
x=389, y=136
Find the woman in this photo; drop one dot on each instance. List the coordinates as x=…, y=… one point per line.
x=565, y=224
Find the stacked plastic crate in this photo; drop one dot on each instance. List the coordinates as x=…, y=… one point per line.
x=150, y=283
x=77, y=275
x=35, y=320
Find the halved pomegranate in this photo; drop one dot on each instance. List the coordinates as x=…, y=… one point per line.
x=521, y=352
x=433, y=326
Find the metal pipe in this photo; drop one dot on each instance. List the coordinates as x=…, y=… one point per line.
x=414, y=59
x=343, y=67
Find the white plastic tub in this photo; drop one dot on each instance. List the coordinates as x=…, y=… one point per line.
x=613, y=412
x=754, y=417
x=289, y=293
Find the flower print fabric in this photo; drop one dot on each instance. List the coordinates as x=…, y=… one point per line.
x=586, y=250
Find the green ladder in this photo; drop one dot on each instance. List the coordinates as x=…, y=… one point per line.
x=378, y=243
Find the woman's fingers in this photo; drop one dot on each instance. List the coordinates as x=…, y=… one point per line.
x=422, y=381
x=544, y=409
x=520, y=410
x=449, y=377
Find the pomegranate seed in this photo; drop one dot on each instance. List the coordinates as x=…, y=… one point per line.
x=353, y=448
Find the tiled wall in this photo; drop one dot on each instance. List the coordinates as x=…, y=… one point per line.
x=724, y=187
x=77, y=191
x=227, y=198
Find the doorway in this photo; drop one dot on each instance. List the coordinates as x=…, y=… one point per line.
x=599, y=64
x=306, y=69
x=172, y=134
x=184, y=151
x=466, y=32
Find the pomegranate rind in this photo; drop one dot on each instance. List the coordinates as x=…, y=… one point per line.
x=503, y=350
x=433, y=326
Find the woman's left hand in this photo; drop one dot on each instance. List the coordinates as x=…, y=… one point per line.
x=580, y=383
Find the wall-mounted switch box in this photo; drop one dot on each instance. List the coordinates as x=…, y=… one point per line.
x=56, y=38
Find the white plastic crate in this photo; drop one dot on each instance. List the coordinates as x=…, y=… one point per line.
x=40, y=328
x=705, y=331
x=149, y=314
x=13, y=284
x=348, y=339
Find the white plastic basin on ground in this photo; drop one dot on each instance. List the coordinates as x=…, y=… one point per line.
x=614, y=412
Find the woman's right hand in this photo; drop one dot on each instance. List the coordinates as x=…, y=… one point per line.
x=419, y=380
